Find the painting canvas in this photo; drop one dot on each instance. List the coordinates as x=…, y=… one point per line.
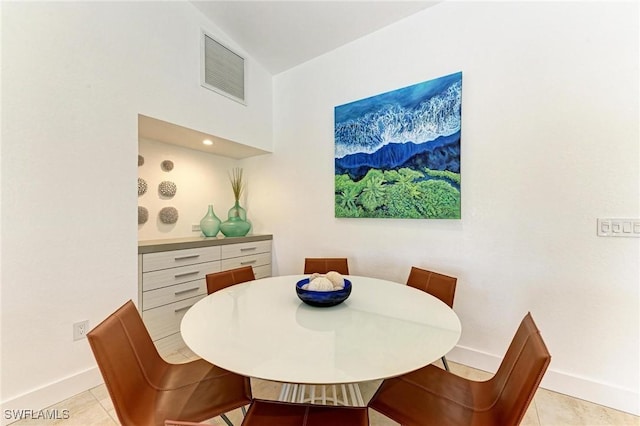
x=397, y=154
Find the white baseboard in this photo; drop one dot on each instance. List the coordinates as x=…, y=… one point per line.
x=50, y=394
x=627, y=400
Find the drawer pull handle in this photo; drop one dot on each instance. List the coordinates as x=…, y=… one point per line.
x=248, y=262
x=189, y=290
x=248, y=248
x=190, y=256
x=182, y=309
x=184, y=274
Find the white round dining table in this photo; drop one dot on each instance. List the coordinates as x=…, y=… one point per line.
x=262, y=329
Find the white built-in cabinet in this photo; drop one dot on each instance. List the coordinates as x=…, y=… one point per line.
x=171, y=277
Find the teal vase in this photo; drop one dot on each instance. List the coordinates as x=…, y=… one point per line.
x=236, y=224
x=237, y=211
x=210, y=224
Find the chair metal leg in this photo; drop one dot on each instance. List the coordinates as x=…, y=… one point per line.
x=446, y=366
x=226, y=419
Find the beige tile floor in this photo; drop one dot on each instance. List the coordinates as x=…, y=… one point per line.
x=94, y=407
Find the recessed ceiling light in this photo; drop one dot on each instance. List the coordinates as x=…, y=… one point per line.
x=207, y=142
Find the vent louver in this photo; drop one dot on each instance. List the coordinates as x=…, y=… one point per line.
x=222, y=69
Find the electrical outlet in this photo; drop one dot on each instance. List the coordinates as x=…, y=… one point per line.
x=619, y=227
x=80, y=330
x=195, y=228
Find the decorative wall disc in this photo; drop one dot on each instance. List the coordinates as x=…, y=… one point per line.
x=142, y=186
x=167, y=188
x=167, y=165
x=143, y=215
x=140, y=160
x=168, y=215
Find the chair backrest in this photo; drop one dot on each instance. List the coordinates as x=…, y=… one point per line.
x=322, y=265
x=128, y=360
x=441, y=286
x=219, y=280
x=513, y=386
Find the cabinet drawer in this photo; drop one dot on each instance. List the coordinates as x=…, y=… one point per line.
x=245, y=249
x=166, y=277
x=171, y=259
x=263, y=271
x=165, y=320
x=164, y=296
x=169, y=344
x=253, y=260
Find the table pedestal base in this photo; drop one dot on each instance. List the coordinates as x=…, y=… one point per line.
x=344, y=394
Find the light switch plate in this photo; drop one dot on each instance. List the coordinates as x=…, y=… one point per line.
x=618, y=227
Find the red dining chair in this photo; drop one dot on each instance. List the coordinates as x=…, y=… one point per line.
x=438, y=285
x=322, y=265
x=432, y=396
x=219, y=280
x=147, y=390
x=276, y=413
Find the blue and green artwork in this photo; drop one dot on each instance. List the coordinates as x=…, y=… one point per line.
x=397, y=154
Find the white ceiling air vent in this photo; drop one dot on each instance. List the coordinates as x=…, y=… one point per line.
x=222, y=69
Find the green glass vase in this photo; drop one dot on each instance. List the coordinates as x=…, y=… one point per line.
x=237, y=211
x=236, y=224
x=210, y=224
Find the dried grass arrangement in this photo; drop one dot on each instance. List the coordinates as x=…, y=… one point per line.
x=237, y=184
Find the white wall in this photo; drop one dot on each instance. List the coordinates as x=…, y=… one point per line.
x=550, y=142
x=75, y=77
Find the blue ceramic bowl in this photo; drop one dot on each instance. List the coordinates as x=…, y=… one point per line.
x=323, y=298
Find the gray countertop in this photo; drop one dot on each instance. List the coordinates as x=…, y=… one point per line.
x=154, y=246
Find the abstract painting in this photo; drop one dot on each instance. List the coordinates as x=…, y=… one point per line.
x=397, y=154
